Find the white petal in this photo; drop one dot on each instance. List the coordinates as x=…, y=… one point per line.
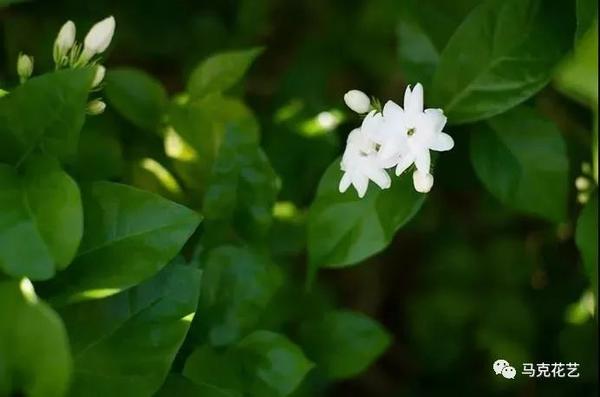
x=372, y=124
x=415, y=100
x=360, y=182
x=379, y=176
x=434, y=119
x=345, y=182
x=404, y=162
x=442, y=142
x=390, y=149
x=392, y=110
x=423, y=161
x=422, y=181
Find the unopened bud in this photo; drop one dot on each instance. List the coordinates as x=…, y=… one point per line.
x=422, y=181
x=99, y=76
x=358, y=101
x=96, y=107
x=99, y=37
x=24, y=66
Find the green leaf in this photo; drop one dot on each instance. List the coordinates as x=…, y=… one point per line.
x=263, y=364
x=418, y=55
x=242, y=187
x=344, y=229
x=578, y=75
x=45, y=113
x=586, y=238
x=587, y=15
x=220, y=72
x=277, y=365
x=521, y=159
x=35, y=360
x=236, y=288
x=180, y=386
x=137, y=96
x=41, y=219
x=343, y=344
x=125, y=344
x=129, y=235
x=502, y=54
x=199, y=126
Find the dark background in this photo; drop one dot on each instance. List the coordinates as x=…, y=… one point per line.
x=468, y=281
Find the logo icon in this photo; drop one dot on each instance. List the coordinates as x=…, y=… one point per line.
x=502, y=367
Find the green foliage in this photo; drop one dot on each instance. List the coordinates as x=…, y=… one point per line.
x=125, y=344
x=220, y=72
x=34, y=204
x=44, y=114
x=344, y=229
x=138, y=97
x=521, y=158
x=498, y=57
x=123, y=225
x=36, y=359
x=343, y=344
x=110, y=285
x=262, y=364
x=237, y=286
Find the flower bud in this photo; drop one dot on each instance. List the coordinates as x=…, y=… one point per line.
x=358, y=101
x=24, y=66
x=96, y=107
x=99, y=37
x=66, y=37
x=422, y=181
x=582, y=183
x=99, y=76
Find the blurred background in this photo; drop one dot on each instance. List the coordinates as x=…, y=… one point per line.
x=466, y=282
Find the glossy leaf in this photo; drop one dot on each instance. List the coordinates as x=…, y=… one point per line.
x=343, y=344
x=41, y=219
x=129, y=235
x=35, y=359
x=45, y=113
x=237, y=286
x=199, y=126
x=125, y=344
x=344, y=229
x=242, y=187
x=137, y=96
x=587, y=15
x=586, y=238
x=502, y=54
x=220, y=72
x=520, y=157
x=263, y=364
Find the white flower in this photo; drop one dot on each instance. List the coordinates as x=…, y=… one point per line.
x=358, y=101
x=65, y=38
x=96, y=107
x=24, y=66
x=99, y=37
x=99, y=76
x=360, y=164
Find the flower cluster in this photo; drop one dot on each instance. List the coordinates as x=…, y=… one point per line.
x=393, y=137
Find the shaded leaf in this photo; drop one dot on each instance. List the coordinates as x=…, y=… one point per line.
x=521, y=158
x=343, y=343
x=500, y=56
x=344, y=229
x=129, y=235
x=125, y=344
x=34, y=350
x=137, y=96
x=237, y=286
x=41, y=219
x=45, y=113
